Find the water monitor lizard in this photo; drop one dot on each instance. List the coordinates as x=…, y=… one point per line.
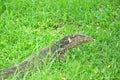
x=50, y=51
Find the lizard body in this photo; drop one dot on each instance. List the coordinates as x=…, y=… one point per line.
x=51, y=51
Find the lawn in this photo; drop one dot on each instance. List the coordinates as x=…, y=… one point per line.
x=26, y=26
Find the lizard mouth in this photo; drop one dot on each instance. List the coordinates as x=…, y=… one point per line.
x=73, y=42
x=88, y=39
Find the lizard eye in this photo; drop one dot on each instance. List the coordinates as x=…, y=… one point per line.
x=69, y=40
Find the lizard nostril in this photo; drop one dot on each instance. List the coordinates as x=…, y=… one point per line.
x=81, y=40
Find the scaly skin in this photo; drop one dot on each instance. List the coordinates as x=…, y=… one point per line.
x=56, y=49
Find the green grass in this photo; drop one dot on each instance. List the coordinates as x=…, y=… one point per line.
x=28, y=25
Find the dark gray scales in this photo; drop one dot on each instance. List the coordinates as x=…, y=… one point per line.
x=56, y=49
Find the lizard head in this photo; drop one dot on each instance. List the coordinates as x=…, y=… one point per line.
x=73, y=40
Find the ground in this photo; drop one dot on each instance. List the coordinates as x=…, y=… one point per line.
x=28, y=25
